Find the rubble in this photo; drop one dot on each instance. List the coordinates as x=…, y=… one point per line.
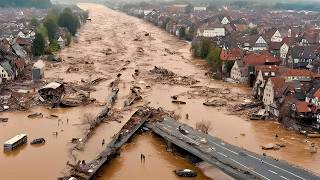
x=135, y=95
x=169, y=51
x=313, y=135
x=108, y=51
x=140, y=50
x=215, y=103
x=72, y=69
x=52, y=92
x=98, y=80
x=165, y=76
x=101, y=116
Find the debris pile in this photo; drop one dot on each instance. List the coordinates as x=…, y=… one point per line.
x=72, y=69
x=165, y=76
x=102, y=115
x=51, y=92
x=215, y=103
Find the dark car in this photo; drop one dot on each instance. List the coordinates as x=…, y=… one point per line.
x=185, y=173
x=38, y=141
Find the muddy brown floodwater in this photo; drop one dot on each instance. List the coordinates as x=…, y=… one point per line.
x=106, y=47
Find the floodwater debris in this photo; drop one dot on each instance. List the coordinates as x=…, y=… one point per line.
x=178, y=102
x=215, y=103
x=4, y=119
x=35, y=115
x=134, y=96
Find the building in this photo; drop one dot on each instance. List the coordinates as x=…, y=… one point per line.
x=273, y=92
x=212, y=30
x=61, y=42
x=239, y=72
x=38, y=70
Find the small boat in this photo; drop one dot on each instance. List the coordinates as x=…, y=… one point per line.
x=38, y=141
x=185, y=173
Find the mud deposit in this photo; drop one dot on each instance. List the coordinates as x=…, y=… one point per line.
x=106, y=46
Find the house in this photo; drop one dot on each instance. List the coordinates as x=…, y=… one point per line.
x=301, y=75
x=232, y=54
x=224, y=20
x=302, y=56
x=255, y=59
x=276, y=37
x=263, y=73
x=259, y=44
x=272, y=94
x=239, y=72
x=283, y=52
x=301, y=110
x=211, y=30
x=61, y=42
x=6, y=71
x=199, y=8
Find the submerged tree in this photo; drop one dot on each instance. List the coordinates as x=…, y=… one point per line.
x=38, y=45
x=68, y=20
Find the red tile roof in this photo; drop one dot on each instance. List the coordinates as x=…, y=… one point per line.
x=230, y=54
x=260, y=59
x=317, y=93
x=298, y=72
x=278, y=83
x=302, y=107
x=266, y=68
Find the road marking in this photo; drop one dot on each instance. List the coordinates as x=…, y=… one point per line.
x=284, y=177
x=278, y=167
x=222, y=154
x=272, y=171
x=223, y=147
x=249, y=169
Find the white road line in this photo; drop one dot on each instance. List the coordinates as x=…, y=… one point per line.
x=277, y=167
x=272, y=171
x=224, y=147
x=249, y=169
x=222, y=154
x=284, y=178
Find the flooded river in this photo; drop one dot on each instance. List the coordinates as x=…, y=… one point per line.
x=116, y=31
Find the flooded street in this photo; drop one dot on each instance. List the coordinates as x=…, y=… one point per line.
x=114, y=31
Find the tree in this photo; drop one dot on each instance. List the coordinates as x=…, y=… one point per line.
x=38, y=45
x=69, y=20
x=214, y=59
x=54, y=46
x=51, y=27
x=42, y=30
x=34, y=22
x=204, y=48
x=182, y=32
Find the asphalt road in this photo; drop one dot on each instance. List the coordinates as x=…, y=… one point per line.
x=260, y=166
